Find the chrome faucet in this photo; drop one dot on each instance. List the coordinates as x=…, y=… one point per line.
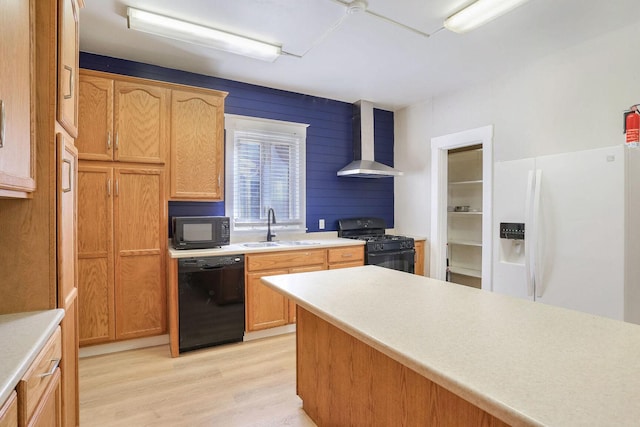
x=271, y=213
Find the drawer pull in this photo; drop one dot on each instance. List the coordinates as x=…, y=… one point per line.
x=56, y=362
x=347, y=255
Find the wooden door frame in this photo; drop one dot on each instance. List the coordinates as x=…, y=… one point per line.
x=440, y=147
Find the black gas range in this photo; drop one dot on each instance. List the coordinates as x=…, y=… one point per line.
x=385, y=250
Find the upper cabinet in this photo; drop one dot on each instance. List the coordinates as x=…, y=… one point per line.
x=197, y=145
x=122, y=119
x=17, y=95
x=67, y=113
x=95, y=134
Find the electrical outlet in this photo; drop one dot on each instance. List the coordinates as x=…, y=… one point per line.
x=321, y=224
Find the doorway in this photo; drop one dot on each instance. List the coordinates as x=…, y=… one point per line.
x=462, y=171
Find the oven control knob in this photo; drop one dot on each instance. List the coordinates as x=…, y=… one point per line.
x=379, y=246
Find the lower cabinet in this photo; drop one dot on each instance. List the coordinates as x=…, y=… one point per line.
x=69, y=365
x=344, y=257
x=266, y=308
x=9, y=412
x=420, y=256
x=122, y=235
x=39, y=394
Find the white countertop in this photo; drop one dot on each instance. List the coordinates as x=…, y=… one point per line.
x=239, y=248
x=22, y=336
x=526, y=363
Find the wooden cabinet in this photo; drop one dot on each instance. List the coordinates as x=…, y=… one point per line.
x=95, y=254
x=121, y=245
x=39, y=397
x=67, y=198
x=344, y=257
x=39, y=271
x=420, y=257
x=122, y=119
x=17, y=98
x=9, y=412
x=140, y=243
x=95, y=115
x=67, y=111
x=265, y=308
x=67, y=275
x=197, y=145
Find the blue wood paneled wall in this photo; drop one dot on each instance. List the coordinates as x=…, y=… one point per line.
x=329, y=142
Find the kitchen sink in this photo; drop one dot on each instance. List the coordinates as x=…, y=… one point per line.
x=280, y=243
x=260, y=244
x=299, y=243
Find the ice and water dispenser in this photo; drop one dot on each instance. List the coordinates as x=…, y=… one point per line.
x=512, y=242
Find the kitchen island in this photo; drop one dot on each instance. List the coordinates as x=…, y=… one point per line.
x=375, y=344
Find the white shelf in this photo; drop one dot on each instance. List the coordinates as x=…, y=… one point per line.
x=477, y=181
x=465, y=271
x=465, y=243
x=464, y=213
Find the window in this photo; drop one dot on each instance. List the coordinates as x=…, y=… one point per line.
x=265, y=168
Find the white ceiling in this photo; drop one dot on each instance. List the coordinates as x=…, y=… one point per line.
x=364, y=57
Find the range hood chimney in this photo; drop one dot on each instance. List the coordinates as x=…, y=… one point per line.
x=364, y=165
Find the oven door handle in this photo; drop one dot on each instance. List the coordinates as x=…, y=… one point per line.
x=400, y=252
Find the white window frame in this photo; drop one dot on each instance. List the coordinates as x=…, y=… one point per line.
x=243, y=123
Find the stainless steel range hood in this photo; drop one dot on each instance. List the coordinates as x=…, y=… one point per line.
x=364, y=165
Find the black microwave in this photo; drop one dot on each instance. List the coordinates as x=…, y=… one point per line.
x=200, y=232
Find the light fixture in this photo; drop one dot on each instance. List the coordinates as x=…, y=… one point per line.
x=176, y=29
x=479, y=13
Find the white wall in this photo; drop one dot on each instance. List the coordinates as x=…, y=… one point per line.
x=571, y=100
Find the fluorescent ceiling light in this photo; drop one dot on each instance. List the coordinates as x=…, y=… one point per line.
x=152, y=23
x=479, y=13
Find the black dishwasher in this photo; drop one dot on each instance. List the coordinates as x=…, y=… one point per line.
x=210, y=301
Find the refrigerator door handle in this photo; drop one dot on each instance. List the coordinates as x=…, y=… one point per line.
x=528, y=226
x=537, y=273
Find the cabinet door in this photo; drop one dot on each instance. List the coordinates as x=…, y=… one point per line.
x=48, y=412
x=67, y=175
x=197, y=146
x=140, y=122
x=140, y=240
x=95, y=254
x=17, y=116
x=68, y=65
x=9, y=412
x=266, y=308
x=69, y=365
x=420, y=255
x=95, y=127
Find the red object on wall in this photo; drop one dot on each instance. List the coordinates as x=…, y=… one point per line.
x=632, y=128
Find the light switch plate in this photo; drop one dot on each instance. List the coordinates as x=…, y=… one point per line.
x=321, y=224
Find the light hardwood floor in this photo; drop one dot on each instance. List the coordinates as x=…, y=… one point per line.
x=244, y=384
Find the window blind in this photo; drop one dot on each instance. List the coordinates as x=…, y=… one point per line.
x=266, y=174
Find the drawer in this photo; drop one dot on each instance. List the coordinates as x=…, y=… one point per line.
x=43, y=369
x=9, y=412
x=286, y=259
x=346, y=254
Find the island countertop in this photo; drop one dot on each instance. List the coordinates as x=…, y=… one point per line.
x=524, y=362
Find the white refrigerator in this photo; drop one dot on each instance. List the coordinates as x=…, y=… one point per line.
x=574, y=210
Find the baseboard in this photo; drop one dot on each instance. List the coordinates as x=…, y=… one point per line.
x=271, y=332
x=97, y=350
